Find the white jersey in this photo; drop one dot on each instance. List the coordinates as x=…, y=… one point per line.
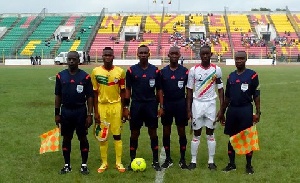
x=203, y=81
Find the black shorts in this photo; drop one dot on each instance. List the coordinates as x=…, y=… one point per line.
x=177, y=110
x=141, y=112
x=238, y=119
x=73, y=119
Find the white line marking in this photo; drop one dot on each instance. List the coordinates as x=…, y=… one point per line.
x=159, y=178
x=52, y=78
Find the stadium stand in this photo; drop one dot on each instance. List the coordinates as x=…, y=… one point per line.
x=225, y=32
x=41, y=41
x=196, y=19
x=259, y=19
x=244, y=38
x=107, y=35
x=27, y=22
x=134, y=20
x=286, y=36
x=218, y=35
x=11, y=36
x=84, y=26
x=72, y=20
x=104, y=40
x=8, y=21
x=111, y=24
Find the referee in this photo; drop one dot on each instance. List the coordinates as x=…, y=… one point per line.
x=73, y=109
x=242, y=88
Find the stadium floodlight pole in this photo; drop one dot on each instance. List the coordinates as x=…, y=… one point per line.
x=160, y=31
x=3, y=57
x=267, y=48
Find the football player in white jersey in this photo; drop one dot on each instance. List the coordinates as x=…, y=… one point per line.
x=203, y=79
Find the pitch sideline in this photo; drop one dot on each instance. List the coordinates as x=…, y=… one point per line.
x=159, y=178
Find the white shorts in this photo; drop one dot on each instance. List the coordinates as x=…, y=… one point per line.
x=204, y=114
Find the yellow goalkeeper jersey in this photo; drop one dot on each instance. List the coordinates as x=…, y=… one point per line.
x=108, y=83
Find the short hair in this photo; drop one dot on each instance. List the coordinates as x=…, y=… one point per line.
x=108, y=48
x=143, y=46
x=240, y=54
x=205, y=46
x=174, y=48
x=75, y=52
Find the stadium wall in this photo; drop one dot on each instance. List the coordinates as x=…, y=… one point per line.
x=157, y=62
x=252, y=62
x=27, y=62
x=51, y=62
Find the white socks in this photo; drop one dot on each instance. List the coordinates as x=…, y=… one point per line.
x=194, y=148
x=211, y=144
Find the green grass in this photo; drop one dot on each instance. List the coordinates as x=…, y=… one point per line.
x=27, y=107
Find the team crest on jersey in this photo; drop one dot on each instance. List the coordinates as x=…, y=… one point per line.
x=244, y=87
x=79, y=88
x=116, y=80
x=152, y=82
x=180, y=84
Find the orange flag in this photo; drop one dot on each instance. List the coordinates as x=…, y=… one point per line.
x=245, y=141
x=50, y=141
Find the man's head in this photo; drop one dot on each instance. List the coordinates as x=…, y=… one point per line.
x=205, y=54
x=240, y=59
x=143, y=53
x=73, y=60
x=108, y=55
x=174, y=54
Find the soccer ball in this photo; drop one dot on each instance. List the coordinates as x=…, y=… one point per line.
x=138, y=165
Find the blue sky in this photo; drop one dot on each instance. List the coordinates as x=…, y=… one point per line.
x=57, y=6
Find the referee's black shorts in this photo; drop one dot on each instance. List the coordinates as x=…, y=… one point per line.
x=238, y=119
x=175, y=109
x=143, y=112
x=73, y=119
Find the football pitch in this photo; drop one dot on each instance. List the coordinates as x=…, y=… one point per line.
x=27, y=111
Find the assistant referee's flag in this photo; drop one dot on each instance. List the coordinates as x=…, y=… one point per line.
x=245, y=141
x=50, y=141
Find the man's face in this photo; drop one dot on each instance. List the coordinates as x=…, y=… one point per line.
x=240, y=60
x=108, y=56
x=205, y=55
x=174, y=54
x=143, y=53
x=73, y=60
